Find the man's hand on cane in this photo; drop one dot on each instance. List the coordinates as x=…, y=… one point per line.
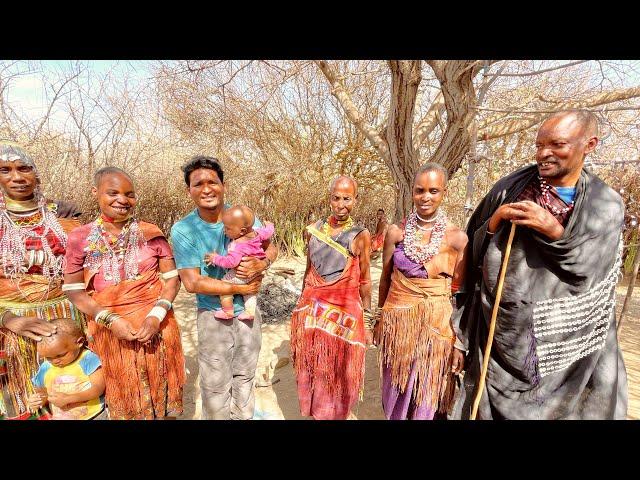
x=527, y=214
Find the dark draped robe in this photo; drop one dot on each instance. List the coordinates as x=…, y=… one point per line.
x=555, y=352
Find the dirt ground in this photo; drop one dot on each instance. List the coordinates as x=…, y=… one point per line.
x=278, y=399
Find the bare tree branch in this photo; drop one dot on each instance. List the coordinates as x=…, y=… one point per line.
x=339, y=91
x=56, y=96
x=540, y=72
x=534, y=117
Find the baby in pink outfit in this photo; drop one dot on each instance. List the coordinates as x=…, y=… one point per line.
x=246, y=242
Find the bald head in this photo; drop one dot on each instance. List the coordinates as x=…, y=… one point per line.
x=345, y=182
x=241, y=215
x=585, y=121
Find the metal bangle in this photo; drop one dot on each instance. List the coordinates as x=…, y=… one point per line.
x=109, y=319
x=163, y=302
x=369, y=319
x=106, y=318
x=2, y=315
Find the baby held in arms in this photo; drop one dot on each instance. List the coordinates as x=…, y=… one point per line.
x=246, y=242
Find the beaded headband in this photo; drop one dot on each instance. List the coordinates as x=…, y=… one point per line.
x=11, y=152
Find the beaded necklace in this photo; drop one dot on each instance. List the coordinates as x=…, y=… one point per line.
x=545, y=187
x=418, y=252
x=20, y=230
x=332, y=222
x=108, y=252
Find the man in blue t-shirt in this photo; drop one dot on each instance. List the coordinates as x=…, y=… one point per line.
x=227, y=349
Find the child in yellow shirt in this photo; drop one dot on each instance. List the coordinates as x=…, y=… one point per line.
x=70, y=379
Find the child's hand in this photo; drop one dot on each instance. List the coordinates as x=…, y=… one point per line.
x=60, y=399
x=36, y=401
x=208, y=257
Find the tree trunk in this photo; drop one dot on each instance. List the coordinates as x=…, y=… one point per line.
x=473, y=153
x=403, y=159
x=456, y=81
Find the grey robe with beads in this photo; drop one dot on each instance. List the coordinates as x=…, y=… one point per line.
x=555, y=352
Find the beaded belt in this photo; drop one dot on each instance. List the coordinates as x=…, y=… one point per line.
x=9, y=305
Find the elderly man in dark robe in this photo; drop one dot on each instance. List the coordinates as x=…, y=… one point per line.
x=555, y=352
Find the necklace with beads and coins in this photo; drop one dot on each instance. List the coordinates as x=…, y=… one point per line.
x=420, y=252
x=107, y=251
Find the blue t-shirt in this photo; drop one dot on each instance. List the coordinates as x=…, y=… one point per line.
x=567, y=194
x=192, y=238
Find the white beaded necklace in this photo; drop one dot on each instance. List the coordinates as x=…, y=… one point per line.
x=13, y=249
x=545, y=187
x=418, y=252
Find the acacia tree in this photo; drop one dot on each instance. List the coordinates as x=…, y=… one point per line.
x=452, y=122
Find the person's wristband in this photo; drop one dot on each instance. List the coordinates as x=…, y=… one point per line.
x=157, y=312
x=459, y=345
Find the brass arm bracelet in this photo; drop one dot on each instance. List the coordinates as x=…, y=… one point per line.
x=2, y=315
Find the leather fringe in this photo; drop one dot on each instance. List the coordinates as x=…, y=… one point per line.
x=408, y=337
x=142, y=381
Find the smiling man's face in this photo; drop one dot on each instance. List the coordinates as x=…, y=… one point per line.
x=205, y=189
x=561, y=146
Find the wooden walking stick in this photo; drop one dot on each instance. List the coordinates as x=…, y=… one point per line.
x=492, y=324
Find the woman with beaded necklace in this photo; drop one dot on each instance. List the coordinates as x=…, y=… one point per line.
x=33, y=237
x=328, y=339
x=421, y=268
x=113, y=273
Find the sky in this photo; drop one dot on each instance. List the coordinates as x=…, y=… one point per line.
x=26, y=92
